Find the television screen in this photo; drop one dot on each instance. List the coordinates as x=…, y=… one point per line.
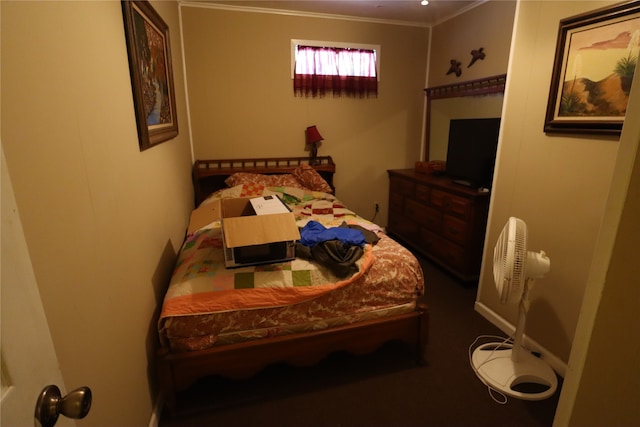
x=471, y=153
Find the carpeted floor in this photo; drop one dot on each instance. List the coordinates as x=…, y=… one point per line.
x=385, y=388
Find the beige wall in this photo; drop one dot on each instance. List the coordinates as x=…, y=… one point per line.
x=455, y=39
x=557, y=184
x=242, y=103
x=606, y=347
x=102, y=220
x=489, y=26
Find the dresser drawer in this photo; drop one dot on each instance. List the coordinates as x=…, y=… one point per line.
x=440, y=220
x=396, y=202
x=451, y=203
x=447, y=252
x=423, y=215
x=404, y=227
x=455, y=229
x=401, y=186
x=422, y=193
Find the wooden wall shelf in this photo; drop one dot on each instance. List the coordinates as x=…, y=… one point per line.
x=478, y=87
x=484, y=86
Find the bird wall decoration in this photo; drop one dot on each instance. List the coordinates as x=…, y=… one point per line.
x=475, y=55
x=455, y=68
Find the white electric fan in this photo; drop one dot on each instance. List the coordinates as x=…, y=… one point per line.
x=506, y=366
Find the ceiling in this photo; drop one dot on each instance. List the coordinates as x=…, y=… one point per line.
x=401, y=11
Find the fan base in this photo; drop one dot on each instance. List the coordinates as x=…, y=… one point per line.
x=528, y=378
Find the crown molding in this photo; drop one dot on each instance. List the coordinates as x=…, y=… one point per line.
x=285, y=12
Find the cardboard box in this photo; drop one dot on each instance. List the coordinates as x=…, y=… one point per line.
x=251, y=239
x=203, y=216
x=435, y=167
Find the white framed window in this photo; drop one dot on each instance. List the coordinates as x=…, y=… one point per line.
x=319, y=68
x=335, y=45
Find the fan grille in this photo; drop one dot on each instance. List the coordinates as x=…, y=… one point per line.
x=509, y=258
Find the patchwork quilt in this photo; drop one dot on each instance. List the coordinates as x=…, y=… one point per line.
x=201, y=283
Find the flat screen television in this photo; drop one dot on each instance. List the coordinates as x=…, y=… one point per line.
x=471, y=153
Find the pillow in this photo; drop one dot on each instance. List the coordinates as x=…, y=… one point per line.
x=311, y=179
x=242, y=178
x=249, y=190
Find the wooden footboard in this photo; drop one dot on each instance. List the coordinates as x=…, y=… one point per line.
x=178, y=371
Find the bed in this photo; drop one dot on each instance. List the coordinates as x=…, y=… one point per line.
x=234, y=322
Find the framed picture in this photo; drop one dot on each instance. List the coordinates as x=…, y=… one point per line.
x=149, y=53
x=596, y=56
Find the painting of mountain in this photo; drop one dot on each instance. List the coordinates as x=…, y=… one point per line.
x=596, y=57
x=605, y=98
x=599, y=69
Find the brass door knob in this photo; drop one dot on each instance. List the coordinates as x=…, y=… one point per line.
x=51, y=404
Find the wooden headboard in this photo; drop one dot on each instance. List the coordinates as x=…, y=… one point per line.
x=209, y=175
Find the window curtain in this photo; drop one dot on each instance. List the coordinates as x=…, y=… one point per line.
x=341, y=72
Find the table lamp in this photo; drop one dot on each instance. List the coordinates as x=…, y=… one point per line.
x=313, y=140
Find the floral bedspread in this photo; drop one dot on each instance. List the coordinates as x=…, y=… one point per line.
x=207, y=304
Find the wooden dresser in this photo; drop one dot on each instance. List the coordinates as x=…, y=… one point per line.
x=441, y=220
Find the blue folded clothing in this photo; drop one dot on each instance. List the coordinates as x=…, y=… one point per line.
x=314, y=233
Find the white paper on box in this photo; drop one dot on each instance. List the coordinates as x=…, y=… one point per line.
x=268, y=205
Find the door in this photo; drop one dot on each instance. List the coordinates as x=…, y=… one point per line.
x=29, y=362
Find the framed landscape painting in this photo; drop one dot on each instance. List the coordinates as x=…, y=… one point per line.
x=596, y=57
x=148, y=47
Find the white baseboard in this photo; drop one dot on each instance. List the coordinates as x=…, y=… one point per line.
x=555, y=362
x=156, y=413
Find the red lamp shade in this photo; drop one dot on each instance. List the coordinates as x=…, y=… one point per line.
x=313, y=138
x=313, y=135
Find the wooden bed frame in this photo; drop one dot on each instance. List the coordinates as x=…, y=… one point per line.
x=209, y=175
x=178, y=371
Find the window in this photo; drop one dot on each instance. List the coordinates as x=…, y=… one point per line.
x=321, y=68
